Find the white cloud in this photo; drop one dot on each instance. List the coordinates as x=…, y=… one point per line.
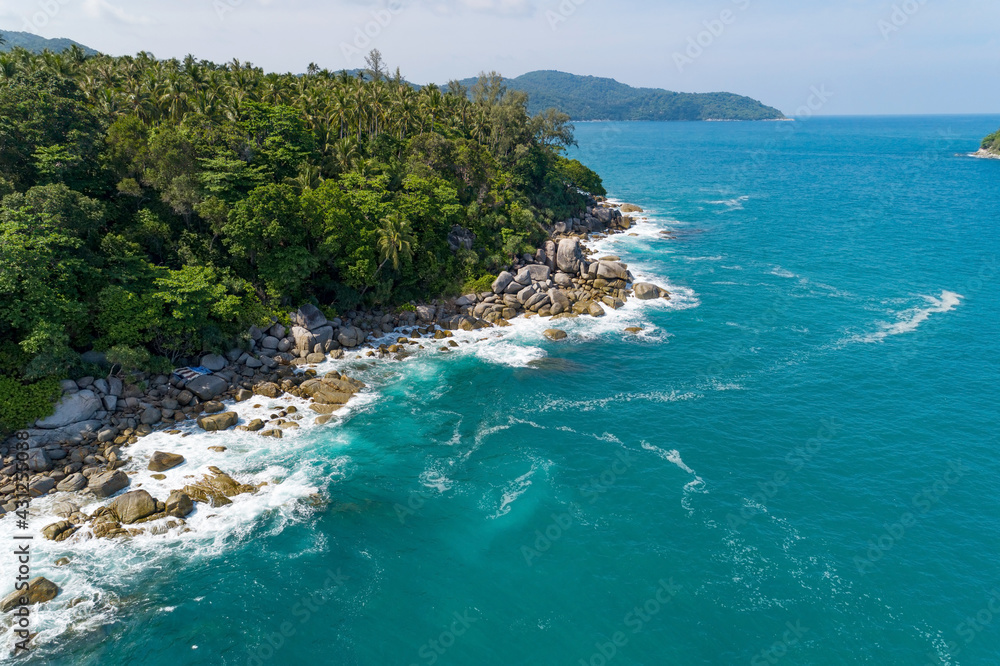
x=100, y=9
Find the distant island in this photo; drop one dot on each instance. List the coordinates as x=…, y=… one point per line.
x=36, y=44
x=990, y=146
x=593, y=98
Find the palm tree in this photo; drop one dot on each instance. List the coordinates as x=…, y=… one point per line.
x=395, y=240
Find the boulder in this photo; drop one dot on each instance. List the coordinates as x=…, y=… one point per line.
x=268, y=390
x=525, y=294
x=217, y=422
x=72, y=483
x=161, y=461
x=214, y=407
x=39, y=460
x=351, y=337
x=425, y=313
x=216, y=488
x=39, y=591
x=564, y=280
x=59, y=531
x=132, y=507
x=41, y=486
x=460, y=238
x=213, y=362
x=106, y=484
x=631, y=208
x=207, y=387
x=309, y=317
x=551, y=250
x=72, y=408
x=322, y=335
x=269, y=342
x=115, y=387
x=559, y=300
x=595, y=310
x=64, y=509
x=179, y=504
x=533, y=273
x=645, y=291
x=612, y=270
x=151, y=416
x=569, y=256
x=502, y=282
x=555, y=334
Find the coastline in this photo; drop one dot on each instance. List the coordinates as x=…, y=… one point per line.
x=106, y=481
x=984, y=154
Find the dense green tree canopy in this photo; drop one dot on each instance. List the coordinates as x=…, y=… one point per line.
x=157, y=209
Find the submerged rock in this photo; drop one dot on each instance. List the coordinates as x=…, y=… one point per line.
x=216, y=488
x=59, y=531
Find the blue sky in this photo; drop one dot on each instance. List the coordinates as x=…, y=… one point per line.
x=865, y=56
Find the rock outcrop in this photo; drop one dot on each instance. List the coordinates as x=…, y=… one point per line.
x=39, y=591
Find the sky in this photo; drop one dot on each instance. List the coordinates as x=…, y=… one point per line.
x=801, y=56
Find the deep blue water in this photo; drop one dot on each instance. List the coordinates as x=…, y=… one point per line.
x=796, y=462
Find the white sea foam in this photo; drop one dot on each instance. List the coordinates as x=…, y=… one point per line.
x=516, y=488
x=505, y=353
x=909, y=320
x=290, y=467
x=696, y=485
x=731, y=204
x=565, y=404
x=781, y=272
x=433, y=478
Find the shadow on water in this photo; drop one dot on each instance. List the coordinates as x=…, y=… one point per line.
x=553, y=366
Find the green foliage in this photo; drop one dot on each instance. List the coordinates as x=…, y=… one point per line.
x=479, y=285
x=992, y=143
x=203, y=307
x=578, y=175
x=127, y=359
x=21, y=404
x=157, y=209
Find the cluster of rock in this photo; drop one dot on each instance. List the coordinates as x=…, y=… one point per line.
x=137, y=512
x=79, y=447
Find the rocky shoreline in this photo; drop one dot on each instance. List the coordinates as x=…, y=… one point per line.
x=83, y=446
x=982, y=153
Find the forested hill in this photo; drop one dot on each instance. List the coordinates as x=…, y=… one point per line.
x=155, y=209
x=36, y=44
x=992, y=143
x=593, y=98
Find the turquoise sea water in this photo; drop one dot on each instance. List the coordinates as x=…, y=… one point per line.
x=796, y=462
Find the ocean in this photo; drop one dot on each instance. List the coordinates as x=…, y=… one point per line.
x=795, y=461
